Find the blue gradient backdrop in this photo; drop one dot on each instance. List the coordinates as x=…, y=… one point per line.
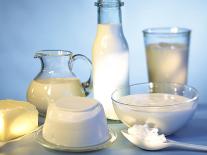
x=27, y=26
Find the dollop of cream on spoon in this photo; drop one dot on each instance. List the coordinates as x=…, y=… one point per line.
x=147, y=137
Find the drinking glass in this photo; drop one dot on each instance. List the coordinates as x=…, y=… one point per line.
x=167, y=52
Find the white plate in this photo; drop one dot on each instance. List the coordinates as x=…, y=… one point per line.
x=39, y=138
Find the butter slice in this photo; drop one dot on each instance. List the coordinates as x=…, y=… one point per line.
x=16, y=119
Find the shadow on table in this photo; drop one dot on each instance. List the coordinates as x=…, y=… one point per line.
x=196, y=129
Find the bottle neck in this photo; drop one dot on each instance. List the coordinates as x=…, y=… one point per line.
x=109, y=15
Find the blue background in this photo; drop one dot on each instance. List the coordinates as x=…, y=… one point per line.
x=27, y=26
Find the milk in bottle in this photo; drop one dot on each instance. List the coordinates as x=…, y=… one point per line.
x=110, y=55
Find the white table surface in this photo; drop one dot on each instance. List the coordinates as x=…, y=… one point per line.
x=195, y=132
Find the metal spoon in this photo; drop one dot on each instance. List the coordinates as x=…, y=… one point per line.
x=159, y=146
x=19, y=138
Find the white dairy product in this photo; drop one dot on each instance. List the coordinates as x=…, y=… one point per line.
x=147, y=137
x=164, y=111
x=167, y=62
x=75, y=122
x=16, y=119
x=110, y=65
x=42, y=92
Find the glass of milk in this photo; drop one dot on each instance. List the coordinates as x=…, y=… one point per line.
x=167, y=51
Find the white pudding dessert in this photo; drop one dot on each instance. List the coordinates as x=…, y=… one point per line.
x=75, y=122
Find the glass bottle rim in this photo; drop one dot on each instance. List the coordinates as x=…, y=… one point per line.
x=101, y=3
x=166, y=31
x=53, y=53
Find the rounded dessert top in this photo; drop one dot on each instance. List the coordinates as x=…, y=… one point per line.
x=76, y=104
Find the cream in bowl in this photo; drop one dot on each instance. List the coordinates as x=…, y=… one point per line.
x=75, y=122
x=167, y=106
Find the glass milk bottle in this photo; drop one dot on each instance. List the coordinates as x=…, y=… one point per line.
x=110, y=55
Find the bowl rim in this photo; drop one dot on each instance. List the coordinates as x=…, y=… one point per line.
x=190, y=100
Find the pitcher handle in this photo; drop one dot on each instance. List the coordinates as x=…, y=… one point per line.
x=87, y=85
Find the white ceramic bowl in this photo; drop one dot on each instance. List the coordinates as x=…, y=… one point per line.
x=169, y=117
x=75, y=122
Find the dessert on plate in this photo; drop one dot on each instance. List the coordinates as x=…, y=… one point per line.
x=75, y=122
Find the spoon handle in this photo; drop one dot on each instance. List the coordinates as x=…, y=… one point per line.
x=187, y=146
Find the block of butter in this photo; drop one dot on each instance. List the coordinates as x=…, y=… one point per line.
x=16, y=118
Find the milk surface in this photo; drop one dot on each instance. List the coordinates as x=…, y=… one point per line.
x=164, y=111
x=167, y=62
x=110, y=65
x=43, y=92
x=155, y=99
